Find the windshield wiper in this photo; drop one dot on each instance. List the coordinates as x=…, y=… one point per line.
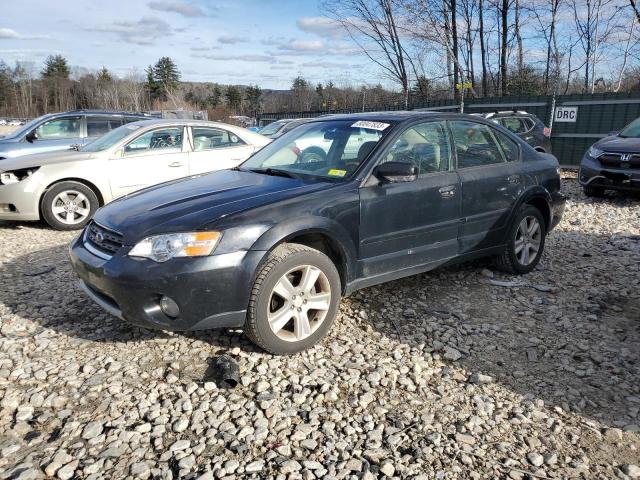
x=274, y=172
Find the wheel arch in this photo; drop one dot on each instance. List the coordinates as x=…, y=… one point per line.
x=322, y=234
x=84, y=181
x=537, y=197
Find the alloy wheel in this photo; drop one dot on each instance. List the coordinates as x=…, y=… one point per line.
x=71, y=207
x=528, y=240
x=299, y=303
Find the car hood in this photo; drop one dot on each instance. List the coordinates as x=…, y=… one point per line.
x=192, y=203
x=619, y=144
x=40, y=159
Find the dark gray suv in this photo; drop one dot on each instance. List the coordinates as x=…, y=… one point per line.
x=613, y=163
x=60, y=131
x=526, y=125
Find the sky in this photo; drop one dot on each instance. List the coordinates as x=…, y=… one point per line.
x=266, y=42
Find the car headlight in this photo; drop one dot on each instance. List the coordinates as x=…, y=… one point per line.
x=161, y=248
x=15, y=176
x=594, y=152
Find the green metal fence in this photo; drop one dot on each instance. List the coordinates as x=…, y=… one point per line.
x=595, y=116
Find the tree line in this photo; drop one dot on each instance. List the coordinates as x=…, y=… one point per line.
x=497, y=47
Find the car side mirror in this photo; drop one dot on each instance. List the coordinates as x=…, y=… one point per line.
x=31, y=136
x=396, y=172
x=614, y=133
x=118, y=153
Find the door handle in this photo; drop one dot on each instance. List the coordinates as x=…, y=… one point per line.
x=448, y=191
x=513, y=179
x=175, y=164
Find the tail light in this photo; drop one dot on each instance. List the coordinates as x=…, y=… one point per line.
x=546, y=132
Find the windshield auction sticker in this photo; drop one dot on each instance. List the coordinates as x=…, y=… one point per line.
x=371, y=125
x=334, y=172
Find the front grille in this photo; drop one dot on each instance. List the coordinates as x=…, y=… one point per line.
x=103, y=239
x=614, y=160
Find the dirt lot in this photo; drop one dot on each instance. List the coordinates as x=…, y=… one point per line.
x=460, y=373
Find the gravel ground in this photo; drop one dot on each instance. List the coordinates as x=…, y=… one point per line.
x=459, y=373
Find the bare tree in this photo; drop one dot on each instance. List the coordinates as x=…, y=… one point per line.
x=373, y=26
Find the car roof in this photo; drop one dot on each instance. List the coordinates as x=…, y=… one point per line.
x=180, y=121
x=396, y=116
x=100, y=112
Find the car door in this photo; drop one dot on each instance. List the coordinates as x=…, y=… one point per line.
x=215, y=148
x=409, y=224
x=488, y=163
x=56, y=134
x=153, y=157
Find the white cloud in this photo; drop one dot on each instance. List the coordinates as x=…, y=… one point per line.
x=241, y=58
x=321, y=26
x=231, y=39
x=184, y=9
x=143, y=32
x=303, y=46
x=9, y=33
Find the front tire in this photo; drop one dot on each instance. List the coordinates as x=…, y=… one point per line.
x=526, y=242
x=294, y=300
x=68, y=205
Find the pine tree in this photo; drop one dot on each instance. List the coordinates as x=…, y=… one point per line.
x=55, y=66
x=253, y=96
x=103, y=77
x=166, y=73
x=234, y=98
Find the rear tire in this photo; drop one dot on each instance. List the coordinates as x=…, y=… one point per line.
x=525, y=242
x=68, y=205
x=294, y=279
x=591, y=191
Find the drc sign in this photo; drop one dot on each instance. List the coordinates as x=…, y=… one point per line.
x=566, y=114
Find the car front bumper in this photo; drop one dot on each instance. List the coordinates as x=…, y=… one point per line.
x=211, y=292
x=593, y=174
x=19, y=201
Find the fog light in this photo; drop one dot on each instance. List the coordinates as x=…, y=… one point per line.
x=169, y=307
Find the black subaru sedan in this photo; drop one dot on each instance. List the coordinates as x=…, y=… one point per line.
x=335, y=205
x=613, y=163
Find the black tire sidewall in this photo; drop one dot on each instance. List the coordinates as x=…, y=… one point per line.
x=268, y=339
x=47, y=199
x=525, y=211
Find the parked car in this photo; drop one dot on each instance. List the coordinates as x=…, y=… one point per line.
x=613, y=163
x=66, y=188
x=280, y=127
x=273, y=244
x=526, y=125
x=60, y=131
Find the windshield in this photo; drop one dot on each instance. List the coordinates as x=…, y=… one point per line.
x=331, y=149
x=632, y=130
x=110, y=139
x=272, y=128
x=26, y=128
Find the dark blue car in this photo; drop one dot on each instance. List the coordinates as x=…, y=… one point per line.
x=272, y=245
x=613, y=163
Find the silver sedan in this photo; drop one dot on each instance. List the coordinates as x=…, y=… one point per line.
x=66, y=188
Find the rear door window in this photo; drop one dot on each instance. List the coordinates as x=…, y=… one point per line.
x=98, y=126
x=212, y=138
x=475, y=144
x=515, y=124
